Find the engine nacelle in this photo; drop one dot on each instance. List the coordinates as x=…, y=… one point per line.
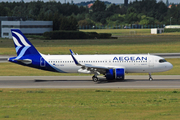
x=117, y=74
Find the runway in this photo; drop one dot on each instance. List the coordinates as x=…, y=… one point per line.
x=4, y=58
x=131, y=82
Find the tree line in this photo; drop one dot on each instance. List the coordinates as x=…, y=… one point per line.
x=70, y=16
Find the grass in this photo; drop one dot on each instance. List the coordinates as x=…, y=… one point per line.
x=11, y=69
x=123, y=45
x=75, y=104
x=128, y=32
x=122, y=32
x=126, y=43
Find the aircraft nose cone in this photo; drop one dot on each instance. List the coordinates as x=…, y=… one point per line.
x=169, y=66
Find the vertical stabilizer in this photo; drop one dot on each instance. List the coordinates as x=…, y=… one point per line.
x=22, y=44
x=27, y=54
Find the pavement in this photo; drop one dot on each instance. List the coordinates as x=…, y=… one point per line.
x=131, y=82
x=4, y=58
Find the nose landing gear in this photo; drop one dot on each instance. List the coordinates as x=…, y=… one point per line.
x=150, y=77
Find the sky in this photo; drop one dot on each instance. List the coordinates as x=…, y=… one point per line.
x=78, y=1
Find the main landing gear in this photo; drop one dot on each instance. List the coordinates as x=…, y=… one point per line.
x=150, y=77
x=95, y=78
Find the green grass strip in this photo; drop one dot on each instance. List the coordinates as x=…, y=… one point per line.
x=89, y=104
x=123, y=45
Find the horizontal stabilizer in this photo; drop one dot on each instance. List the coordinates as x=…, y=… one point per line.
x=25, y=61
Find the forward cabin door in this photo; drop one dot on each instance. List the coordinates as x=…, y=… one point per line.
x=151, y=62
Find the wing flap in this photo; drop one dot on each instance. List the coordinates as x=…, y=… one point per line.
x=97, y=67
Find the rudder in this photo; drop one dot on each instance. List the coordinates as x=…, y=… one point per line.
x=22, y=45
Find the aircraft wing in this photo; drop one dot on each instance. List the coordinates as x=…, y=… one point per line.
x=96, y=67
x=76, y=62
x=90, y=67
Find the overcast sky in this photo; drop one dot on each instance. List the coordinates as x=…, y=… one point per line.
x=77, y=1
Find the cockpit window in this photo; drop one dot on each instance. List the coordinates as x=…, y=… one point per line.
x=162, y=60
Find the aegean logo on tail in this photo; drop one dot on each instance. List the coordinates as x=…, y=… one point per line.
x=21, y=38
x=20, y=44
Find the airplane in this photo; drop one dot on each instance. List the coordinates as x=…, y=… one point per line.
x=112, y=66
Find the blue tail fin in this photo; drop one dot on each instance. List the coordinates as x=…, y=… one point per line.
x=22, y=44
x=27, y=54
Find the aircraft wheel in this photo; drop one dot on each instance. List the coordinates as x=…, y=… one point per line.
x=150, y=79
x=95, y=79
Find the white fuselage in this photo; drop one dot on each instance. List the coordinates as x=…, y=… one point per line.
x=132, y=63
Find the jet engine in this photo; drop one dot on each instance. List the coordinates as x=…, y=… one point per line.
x=117, y=74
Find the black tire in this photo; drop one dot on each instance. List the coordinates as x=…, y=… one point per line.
x=150, y=79
x=95, y=79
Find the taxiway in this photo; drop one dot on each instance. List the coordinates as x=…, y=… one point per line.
x=137, y=81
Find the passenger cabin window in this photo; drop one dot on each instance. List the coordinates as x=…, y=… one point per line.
x=162, y=60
